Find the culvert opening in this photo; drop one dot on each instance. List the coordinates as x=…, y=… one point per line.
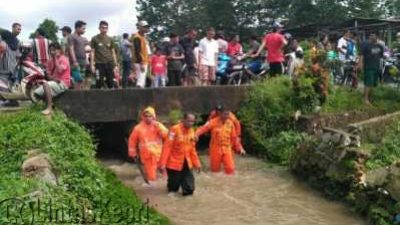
x=112, y=139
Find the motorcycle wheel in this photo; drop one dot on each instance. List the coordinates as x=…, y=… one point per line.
x=237, y=78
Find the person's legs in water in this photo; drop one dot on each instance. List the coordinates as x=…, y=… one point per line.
x=215, y=161
x=187, y=180
x=229, y=163
x=174, y=180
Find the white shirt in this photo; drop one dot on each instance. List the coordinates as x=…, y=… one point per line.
x=342, y=44
x=222, y=45
x=208, y=51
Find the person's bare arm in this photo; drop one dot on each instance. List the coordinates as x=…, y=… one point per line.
x=115, y=58
x=262, y=46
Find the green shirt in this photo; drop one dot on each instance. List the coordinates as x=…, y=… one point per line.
x=103, y=46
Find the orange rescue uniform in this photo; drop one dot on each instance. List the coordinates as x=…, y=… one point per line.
x=180, y=146
x=149, y=139
x=223, y=140
x=236, y=122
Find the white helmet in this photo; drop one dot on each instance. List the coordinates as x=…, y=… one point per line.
x=398, y=35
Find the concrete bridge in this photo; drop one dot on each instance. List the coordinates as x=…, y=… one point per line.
x=125, y=104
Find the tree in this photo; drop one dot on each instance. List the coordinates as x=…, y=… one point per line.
x=50, y=27
x=232, y=16
x=256, y=16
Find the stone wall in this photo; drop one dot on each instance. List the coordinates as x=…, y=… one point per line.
x=125, y=104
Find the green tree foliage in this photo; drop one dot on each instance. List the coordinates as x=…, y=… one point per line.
x=247, y=17
x=51, y=29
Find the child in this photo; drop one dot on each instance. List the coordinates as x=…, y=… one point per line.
x=159, y=69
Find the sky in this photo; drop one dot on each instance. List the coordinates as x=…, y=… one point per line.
x=120, y=14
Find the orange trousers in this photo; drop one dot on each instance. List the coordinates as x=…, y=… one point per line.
x=150, y=166
x=219, y=158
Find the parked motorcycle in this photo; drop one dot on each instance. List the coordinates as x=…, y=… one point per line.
x=246, y=71
x=223, y=68
x=27, y=76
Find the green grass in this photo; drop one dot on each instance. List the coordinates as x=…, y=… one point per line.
x=384, y=98
x=83, y=182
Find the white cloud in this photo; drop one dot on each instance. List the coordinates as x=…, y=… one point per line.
x=120, y=14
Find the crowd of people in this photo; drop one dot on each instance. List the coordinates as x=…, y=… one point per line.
x=104, y=62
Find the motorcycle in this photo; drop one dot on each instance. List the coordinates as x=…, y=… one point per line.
x=223, y=68
x=246, y=71
x=390, y=71
x=27, y=76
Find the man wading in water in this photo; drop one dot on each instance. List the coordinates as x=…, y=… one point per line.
x=179, y=156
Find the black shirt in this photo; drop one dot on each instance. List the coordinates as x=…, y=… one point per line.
x=175, y=50
x=188, y=46
x=373, y=53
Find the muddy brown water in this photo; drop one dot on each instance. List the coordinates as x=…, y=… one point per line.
x=258, y=194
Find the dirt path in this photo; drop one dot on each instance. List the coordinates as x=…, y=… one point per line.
x=257, y=194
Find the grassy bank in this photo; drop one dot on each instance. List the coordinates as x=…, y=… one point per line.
x=268, y=111
x=93, y=193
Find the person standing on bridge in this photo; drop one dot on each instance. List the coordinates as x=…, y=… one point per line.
x=208, y=59
x=147, y=137
x=103, y=58
x=140, y=53
x=224, y=140
x=179, y=156
x=274, y=43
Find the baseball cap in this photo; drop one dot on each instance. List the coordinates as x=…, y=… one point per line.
x=66, y=28
x=277, y=25
x=143, y=23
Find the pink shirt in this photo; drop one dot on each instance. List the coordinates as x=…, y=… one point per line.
x=61, y=72
x=159, y=65
x=274, y=43
x=234, y=49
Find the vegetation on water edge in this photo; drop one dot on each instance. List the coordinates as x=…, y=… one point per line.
x=268, y=112
x=92, y=192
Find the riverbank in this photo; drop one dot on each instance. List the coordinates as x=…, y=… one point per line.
x=49, y=165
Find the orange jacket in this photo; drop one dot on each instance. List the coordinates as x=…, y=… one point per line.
x=180, y=146
x=149, y=139
x=140, y=52
x=223, y=135
x=232, y=117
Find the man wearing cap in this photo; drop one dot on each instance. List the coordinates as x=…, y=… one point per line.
x=224, y=141
x=65, y=32
x=238, y=127
x=77, y=56
x=274, y=43
x=140, y=53
x=147, y=138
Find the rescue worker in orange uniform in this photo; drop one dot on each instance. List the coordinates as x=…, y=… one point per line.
x=179, y=156
x=218, y=110
x=224, y=141
x=147, y=137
